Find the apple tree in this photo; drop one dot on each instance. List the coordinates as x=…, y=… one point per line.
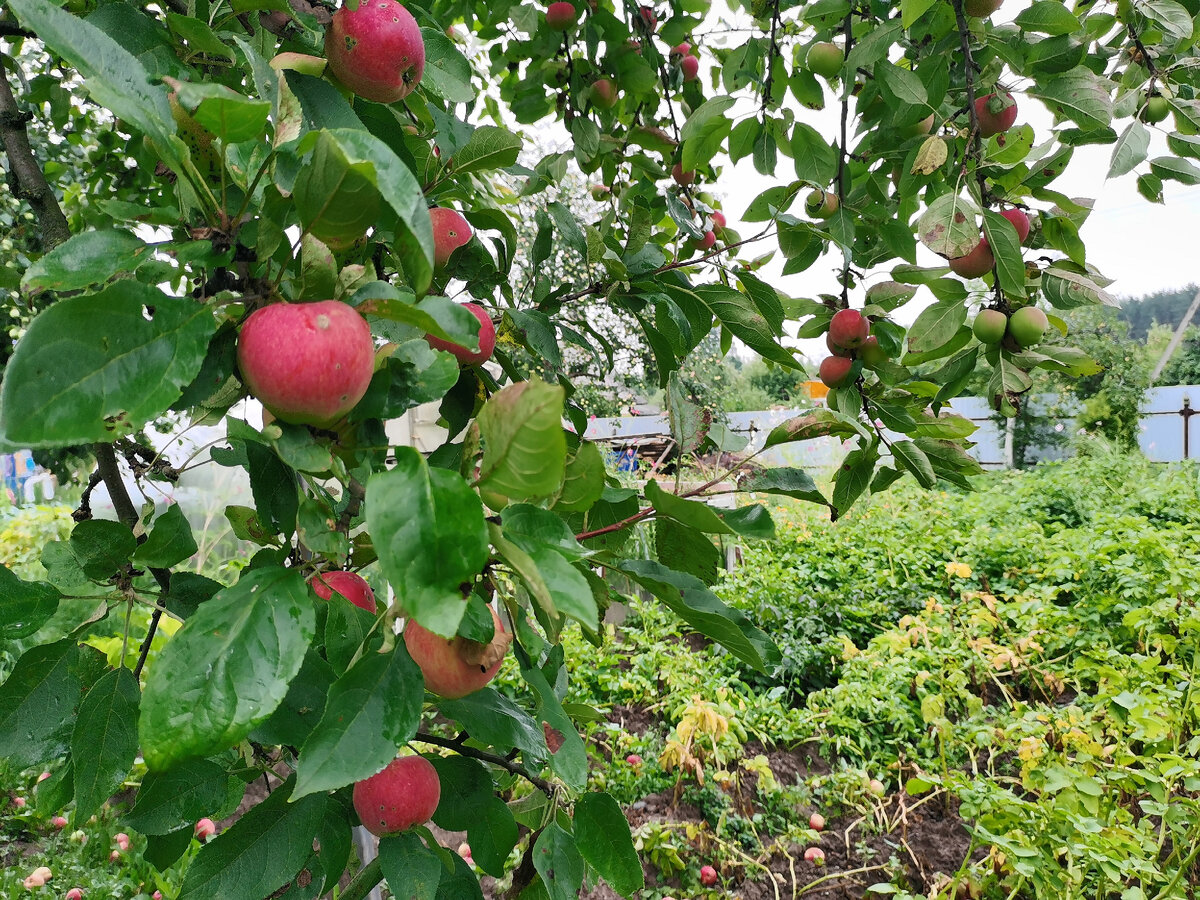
x=295, y=202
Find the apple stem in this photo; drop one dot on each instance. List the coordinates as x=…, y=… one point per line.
x=364, y=882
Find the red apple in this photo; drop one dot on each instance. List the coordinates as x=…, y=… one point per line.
x=59, y=822
x=73, y=894
x=704, y=244
x=561, y=16
x=649, y=18
x=975, y=264
x=681, y=49
x=450, y=231
x=690, y=66
x=816, y=822
x=1019, y=220
x=376, y=50
x=308, y=363
x=205, y=829
x=115, y=856
x=682, y=178
x=404, y=794
x=836, y=350
x=815, y=855
x=848, y=329
x=487, y=340
x=835, y=371
x=350, y=585
x=708, y=876
x=455, y=667
x=122, y=840
x=719, y=222
x=604, y=93
x=876, y=787
x=634, y=760
x=996, y=113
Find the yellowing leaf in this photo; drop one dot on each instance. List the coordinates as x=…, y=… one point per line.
x=931, y=157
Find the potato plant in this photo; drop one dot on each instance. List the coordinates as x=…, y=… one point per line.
x=285, y=163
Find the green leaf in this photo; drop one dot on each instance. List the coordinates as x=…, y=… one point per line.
x=687, y=550
x=101, y=547
x=447, y=72
x=1079, y=95
x=568, y=756
x=689, y=599
x=789, y=482
x=853, y=477
x=1006, y=246
x=168, y=801
x=568, y=227
x=739, y=314
x=469, y=803
x=489, y=716
x=936, y=326
x=818, y=423
x=104, y=743
x=372, y=710
x=557, y=860
x=903, y=84
x=336, y=199
x=411, y=869
x=815, y=158
x=92, y=257
x=950, y=226
x=430, y=535
x=1173, y=17
x=489, y=148
x=525, y=449
x=603, y=838
x=583, y=482
x=170, y=541
x=93, y=368
x=227, y=669
x=263, y=850
x=37, y=704
x=913, y=10
x=1048, y=17
x=461, y=884
x=229, y=115
x=1130, y=149
x=1172, y=169
x=696, y=513
x=25, y=606
x=114, y=78
x=911, y=457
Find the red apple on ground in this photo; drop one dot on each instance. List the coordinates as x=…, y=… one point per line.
x=350, y=585
x=44, y=873
x=1027, y=325
x=561, y=16
x=634, y=760
x=451, y=230
x=487, y=340
x=821, y=204
x=848, y=329
x=682, y=178
x=815, y=855
x=75, y=894
x=876, y=787
x=604, y=93
x=19, y=802
x=32, y=882
x=43, y=777
x=975, y=264
x=404, y=794
x=825, y=59
x=1020, y=221
x=115, y=856
x=835, y=371
x=376, y=50
x=455, y=667
x=708, y=876
x=205, y=829
x=989, y=326
x=122, y=840
x=690, y=66
x=308, y=363
x=816, y=822
x=59, y=822
x=996, y=113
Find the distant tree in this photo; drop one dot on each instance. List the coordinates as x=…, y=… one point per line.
x=1184, y=367
x=1159, y=308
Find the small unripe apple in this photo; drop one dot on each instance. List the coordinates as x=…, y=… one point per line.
x=708, y=876
x=308, y=363
x=561, y=15
x=634, y=760
x=975, y=264
x=719, y=222
x=981, y=9
x=1156, y=109
x=690, y=66
x=848, y=329
x=836, y=371
x=816, y=822
x=349, y=585
x=1027, y=325
x=404, y=794
x=59, y=822
x=996, y=113
x=705, y=243
x=205, y=829
x=825, y=59
x=600, y=192
x=487, y=340
x=464, y=850
x=821, y=204
x=871, y=353
x=989, y=326
x=604, y=93
x=376, y=50
x=815, y=855
x=682, y=178
x=451, y=230
x=1020, y=221
x=455, y=667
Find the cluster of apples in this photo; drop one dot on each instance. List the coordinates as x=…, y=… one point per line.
x=850, y=341
x=980, y=260
x=1024, y=328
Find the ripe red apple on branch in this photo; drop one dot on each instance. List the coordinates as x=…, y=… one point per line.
x=487, y=340
x=561, y=15
x=975, y=264
x=996, y=113
x=404, y=794
x=451, y=230
x=376, y=50
x=308, y=363
x=349, y=585
x=455, y=667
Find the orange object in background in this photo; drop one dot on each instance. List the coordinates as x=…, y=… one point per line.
x=816, y=389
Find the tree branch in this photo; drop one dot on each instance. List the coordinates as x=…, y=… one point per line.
x=31, y=184
x=455, y=744
x=843, y=151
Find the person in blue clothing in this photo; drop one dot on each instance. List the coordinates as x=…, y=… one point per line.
x=628, y=461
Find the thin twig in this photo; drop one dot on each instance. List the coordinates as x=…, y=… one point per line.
x=843, y=150
x=457, y=746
